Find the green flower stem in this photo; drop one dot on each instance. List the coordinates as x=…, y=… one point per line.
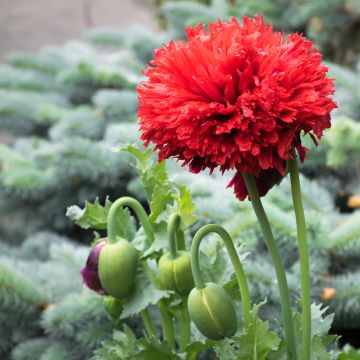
x=173, y=225
x=167, y=324
x=239, y=271
x=139, y=211
x=279, y=268
x=149, y=326
x=185, y=331
x=304, y=259
x=180, y=239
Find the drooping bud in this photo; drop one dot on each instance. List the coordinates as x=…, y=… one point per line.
x=175, y=274
x=212, y=311
x=117, y=268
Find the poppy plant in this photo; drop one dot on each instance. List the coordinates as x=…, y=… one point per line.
x=235, y=97
x=239, y=97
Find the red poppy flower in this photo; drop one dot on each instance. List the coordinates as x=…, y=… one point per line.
x=235, y=97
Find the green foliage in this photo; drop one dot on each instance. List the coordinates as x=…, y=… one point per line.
x=143, y=294
x=92, y=216
x=116, y=105
x=343, y=141
x=328, y=23
x=19, y=109
x=77, y=106
x=349, y=354
x=44, y=312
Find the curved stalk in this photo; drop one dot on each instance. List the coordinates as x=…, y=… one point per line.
x=239, y=271
x=173, y=225
x=276, y=258
x=139, y=211
x=304, y=259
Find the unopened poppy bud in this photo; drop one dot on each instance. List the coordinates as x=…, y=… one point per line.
x=117, y=268
x=110, y=268
x=212, y=311
x=175, y=273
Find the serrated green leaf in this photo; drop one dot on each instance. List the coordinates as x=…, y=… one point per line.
x=320, y=324
x=120, y=347
x=152, y=349
x=161, y=196
x=195, y=347
x=185, y=206
x=257, y=342
x=143, y=158
x=91, y=216
x=160, y=243
x=320, y=327
x=318, y=349
x=154, y=178
x=95, y=216
x=143, y=294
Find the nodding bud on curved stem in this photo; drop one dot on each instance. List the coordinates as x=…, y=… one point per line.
x=139, y=211
x=210, y=306
x=118, y=259
x=174, y=267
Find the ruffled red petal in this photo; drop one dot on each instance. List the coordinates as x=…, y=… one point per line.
x=234, y=97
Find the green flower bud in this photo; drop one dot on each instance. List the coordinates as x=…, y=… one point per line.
x=175, y=273
x=117, y=268
x=212, y=311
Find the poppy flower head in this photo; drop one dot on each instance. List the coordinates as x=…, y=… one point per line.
x=234, y=97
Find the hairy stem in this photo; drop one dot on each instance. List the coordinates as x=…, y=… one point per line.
x=278, y=265
x=304, y=259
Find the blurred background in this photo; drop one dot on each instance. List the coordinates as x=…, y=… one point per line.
x=68, y=102
x=29, y=25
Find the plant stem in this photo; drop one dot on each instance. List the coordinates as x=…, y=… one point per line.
x=173, y=225
x=180, y=239
x=149, y=326
x=276, y=258
x=239, y=271
x=167, y=324
x=185, y=332
x=304, y=259
x=139, y=211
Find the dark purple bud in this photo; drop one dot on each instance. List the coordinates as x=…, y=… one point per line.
x=90, y=272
